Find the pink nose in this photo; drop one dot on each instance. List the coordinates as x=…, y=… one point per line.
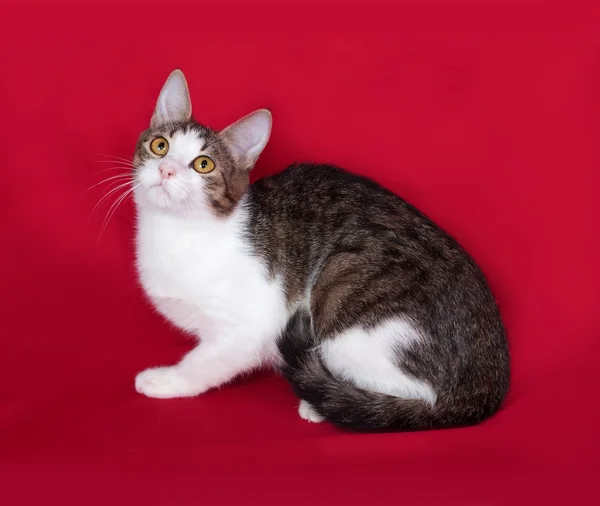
x=166, y=171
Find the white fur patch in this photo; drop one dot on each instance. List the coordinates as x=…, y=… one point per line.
x=199, y=276
x=308, y=413
x=368, y=358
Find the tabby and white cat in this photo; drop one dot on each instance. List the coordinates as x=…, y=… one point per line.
x=379, y=320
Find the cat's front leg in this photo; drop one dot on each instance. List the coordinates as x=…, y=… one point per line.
x=165, y=383
x=207, y=366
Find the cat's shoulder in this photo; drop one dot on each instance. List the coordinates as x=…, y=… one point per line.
x=299, y=171
x=312, y=175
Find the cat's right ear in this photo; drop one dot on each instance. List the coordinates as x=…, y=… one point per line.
x=174, y=104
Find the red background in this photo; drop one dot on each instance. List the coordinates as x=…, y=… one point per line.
x=487, y=118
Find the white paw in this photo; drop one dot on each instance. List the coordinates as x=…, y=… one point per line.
x=307, y=412
x=163, y=383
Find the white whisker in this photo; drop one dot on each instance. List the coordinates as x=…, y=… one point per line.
x=121, y=168
x=113, y=208
x=117, y=188
x=126, y=162
x=116, y=158
x=112, y=178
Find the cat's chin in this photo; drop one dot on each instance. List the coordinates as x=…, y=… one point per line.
x=159, y=196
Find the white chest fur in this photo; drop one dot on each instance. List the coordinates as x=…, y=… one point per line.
x=201, y=277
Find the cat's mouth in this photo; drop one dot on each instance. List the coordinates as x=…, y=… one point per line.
x=161, y=186
x=160, y=192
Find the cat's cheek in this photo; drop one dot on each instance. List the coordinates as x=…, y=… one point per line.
x=148, y=177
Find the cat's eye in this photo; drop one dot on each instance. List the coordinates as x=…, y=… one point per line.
x=203, y=165
x=159, y=146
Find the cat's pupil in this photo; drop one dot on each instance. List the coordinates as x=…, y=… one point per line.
x=204, y=164
x=161, y=145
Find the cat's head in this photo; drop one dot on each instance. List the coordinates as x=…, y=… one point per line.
x=182, y=166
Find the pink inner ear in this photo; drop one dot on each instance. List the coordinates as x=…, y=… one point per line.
x=248, y=136
x=174, y=102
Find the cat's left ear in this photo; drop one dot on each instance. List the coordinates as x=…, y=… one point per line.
x=247, y=137
x=174, y=104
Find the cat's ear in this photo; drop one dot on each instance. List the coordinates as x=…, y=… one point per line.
x=247, y=137
x=174, y=104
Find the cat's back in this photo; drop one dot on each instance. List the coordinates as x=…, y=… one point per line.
x=334, y=204
x=313, y=184
x=309, y=214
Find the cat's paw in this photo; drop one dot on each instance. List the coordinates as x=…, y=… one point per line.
x=307, y=412
x=163, y=383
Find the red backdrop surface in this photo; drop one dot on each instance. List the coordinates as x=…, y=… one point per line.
x=487, y=118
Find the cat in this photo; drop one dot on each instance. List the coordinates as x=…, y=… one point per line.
x=378, y=318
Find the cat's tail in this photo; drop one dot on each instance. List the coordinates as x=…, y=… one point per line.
x=338, y=401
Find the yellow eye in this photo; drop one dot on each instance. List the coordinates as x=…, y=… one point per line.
x=159, y=146
x=203, y=165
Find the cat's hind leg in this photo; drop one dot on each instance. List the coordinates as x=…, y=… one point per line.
x=308, y=413
x=371, y=359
